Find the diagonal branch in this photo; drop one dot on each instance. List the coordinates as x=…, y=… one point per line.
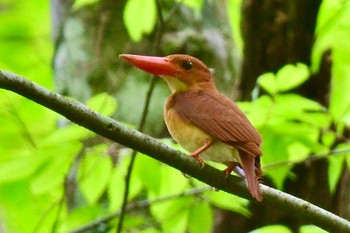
x=109, y=128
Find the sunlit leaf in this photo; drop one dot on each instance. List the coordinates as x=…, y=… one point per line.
x=172, y=214
x=258, y=111
x=296, y=103
x=200, y=218
x=229, y=202
x=311, y=229
x=331, y=31
x=149, y=172
x=291, y=76
x=172, y=183
x=334, y=171
x=298, y=151
x=21, y=167
x=272, y=228
x=94, y=173
x=195, y=4
x=116, y=185
x=139, y=17
x=16, y=196
x=116, y=189
x=288, y=77
x=80, y=3
x=328, y=138
x=340, y=86
x=268, y=82
x=275, y=149
x=65, y=134
x=103, y=103
x=171, y=176
x=151, y=230
x=80, y=216
x=52, y=175
x=234, y=13
x=335, y=167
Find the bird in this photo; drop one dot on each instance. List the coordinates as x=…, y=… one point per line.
x=203, y=121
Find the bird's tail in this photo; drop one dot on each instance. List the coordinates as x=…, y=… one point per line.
x=252, y=170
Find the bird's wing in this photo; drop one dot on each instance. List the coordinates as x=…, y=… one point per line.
x=220, y=117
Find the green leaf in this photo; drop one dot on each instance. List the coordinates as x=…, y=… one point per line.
x=258, y=111
x=79, y=216
x=139, y=17
x=116, y=189
x=149, y=172
x=200, y=219
x=94, y=173
x=275, y=148
x=172, y=214
x=334, y=171
x=311, y=229
x=339, y=105
x=172, y=183
x=80, y=3
x=272, y=229
x=293, y=103
x=288, y=77
x=63, y=135
x=229, y=202
x=291, y=76
x=347, y=158
x=103, y=103
x=16, y=196
x=328, y=138
x=268, y=82
x=195, y=4
x=117, y=182
x=151, y=230
x=171, y=176
x=296, y=107
x=335, y=167
x=53, y=173
x=19, y=168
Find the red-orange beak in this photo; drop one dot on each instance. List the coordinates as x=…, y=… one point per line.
x=153, y=65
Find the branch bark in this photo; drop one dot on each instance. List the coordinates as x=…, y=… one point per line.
x=109, y=128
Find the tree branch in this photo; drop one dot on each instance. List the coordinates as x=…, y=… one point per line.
x=109, y=128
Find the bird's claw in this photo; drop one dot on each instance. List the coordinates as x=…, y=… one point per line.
x=234, y=167
x=198, y=158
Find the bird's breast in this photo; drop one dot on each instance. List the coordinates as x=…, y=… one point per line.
x=191, y=137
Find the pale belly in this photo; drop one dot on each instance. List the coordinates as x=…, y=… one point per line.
x=191, y=138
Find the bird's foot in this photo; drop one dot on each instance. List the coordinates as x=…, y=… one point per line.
x=234, y=167
x=198, y=158
x=195, y=154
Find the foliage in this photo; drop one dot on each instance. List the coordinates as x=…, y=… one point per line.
x=39, y=159
x=333, y=32
x=145, y=20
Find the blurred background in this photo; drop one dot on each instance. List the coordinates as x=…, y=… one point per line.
x=286, y=63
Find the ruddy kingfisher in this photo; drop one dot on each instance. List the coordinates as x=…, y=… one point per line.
x=204, y=122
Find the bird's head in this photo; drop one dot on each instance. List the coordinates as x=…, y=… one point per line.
x=181, y=72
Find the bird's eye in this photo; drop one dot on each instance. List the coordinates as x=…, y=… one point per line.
x=187, y=65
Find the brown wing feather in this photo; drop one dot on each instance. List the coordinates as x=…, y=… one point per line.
x=220, y=117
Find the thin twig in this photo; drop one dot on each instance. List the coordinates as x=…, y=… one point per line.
x=140, y=204
x=117, y=132
x=142, y=121
x=310, y=158
x=58, y=212
x=133, y=157
x=25, y=131
x=48, y=211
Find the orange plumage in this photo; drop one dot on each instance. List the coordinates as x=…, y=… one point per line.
x=202, y=120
